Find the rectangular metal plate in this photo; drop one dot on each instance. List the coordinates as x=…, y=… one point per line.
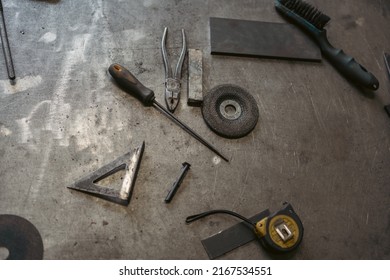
x=231, y=238
x=261, y=39
x=195, y=75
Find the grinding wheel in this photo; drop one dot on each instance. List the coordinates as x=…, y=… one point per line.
x=230, y=111
x=20, y=238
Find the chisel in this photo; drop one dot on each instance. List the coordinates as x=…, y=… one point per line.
x=131, y=85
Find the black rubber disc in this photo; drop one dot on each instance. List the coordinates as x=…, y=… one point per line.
x=230, y=111
x=20, y=238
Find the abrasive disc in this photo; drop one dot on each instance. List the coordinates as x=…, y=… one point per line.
x=21, y=238
x=230, y=111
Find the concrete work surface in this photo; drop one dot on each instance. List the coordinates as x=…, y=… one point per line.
x=321, y=143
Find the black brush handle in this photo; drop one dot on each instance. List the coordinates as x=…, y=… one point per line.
x=346, y=64
x=130, y=84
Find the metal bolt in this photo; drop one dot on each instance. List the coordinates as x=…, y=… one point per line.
x=177, y=183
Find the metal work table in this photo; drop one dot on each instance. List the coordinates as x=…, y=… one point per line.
x=321, y=144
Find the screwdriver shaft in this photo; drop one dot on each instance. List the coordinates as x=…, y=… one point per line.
x=159, y=107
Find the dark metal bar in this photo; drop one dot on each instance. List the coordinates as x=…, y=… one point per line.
x=5, y=44
x=177, y=183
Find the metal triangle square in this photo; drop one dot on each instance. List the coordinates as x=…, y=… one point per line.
x=129, y=161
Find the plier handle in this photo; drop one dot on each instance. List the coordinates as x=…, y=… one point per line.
x=172, y=82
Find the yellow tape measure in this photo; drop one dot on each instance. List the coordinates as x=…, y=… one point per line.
x=281, y=231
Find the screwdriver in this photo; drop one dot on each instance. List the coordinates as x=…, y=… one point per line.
x=131, y=85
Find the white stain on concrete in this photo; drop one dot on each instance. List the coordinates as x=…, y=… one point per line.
x=9, y=4
x=360, y=21
x=58, y=107
x=21, y=84
x=148, y=3
x=216, y=160
x=48, y=37
x=26, y=133
x=134, y=34
x=74, y=27
x=4, y=131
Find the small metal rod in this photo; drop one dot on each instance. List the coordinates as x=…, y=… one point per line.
x=159, y=107
x=177, y=183
x=5, y=44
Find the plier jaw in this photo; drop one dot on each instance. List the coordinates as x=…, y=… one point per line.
x=172, y=81
x=172, y=93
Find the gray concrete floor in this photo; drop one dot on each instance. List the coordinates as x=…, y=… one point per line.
x=321, y=144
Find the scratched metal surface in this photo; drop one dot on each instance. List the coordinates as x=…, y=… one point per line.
x=320, y=143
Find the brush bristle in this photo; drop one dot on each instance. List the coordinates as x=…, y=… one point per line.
x=307, y=11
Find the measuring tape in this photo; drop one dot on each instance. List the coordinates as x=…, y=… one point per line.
x=281, y=231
